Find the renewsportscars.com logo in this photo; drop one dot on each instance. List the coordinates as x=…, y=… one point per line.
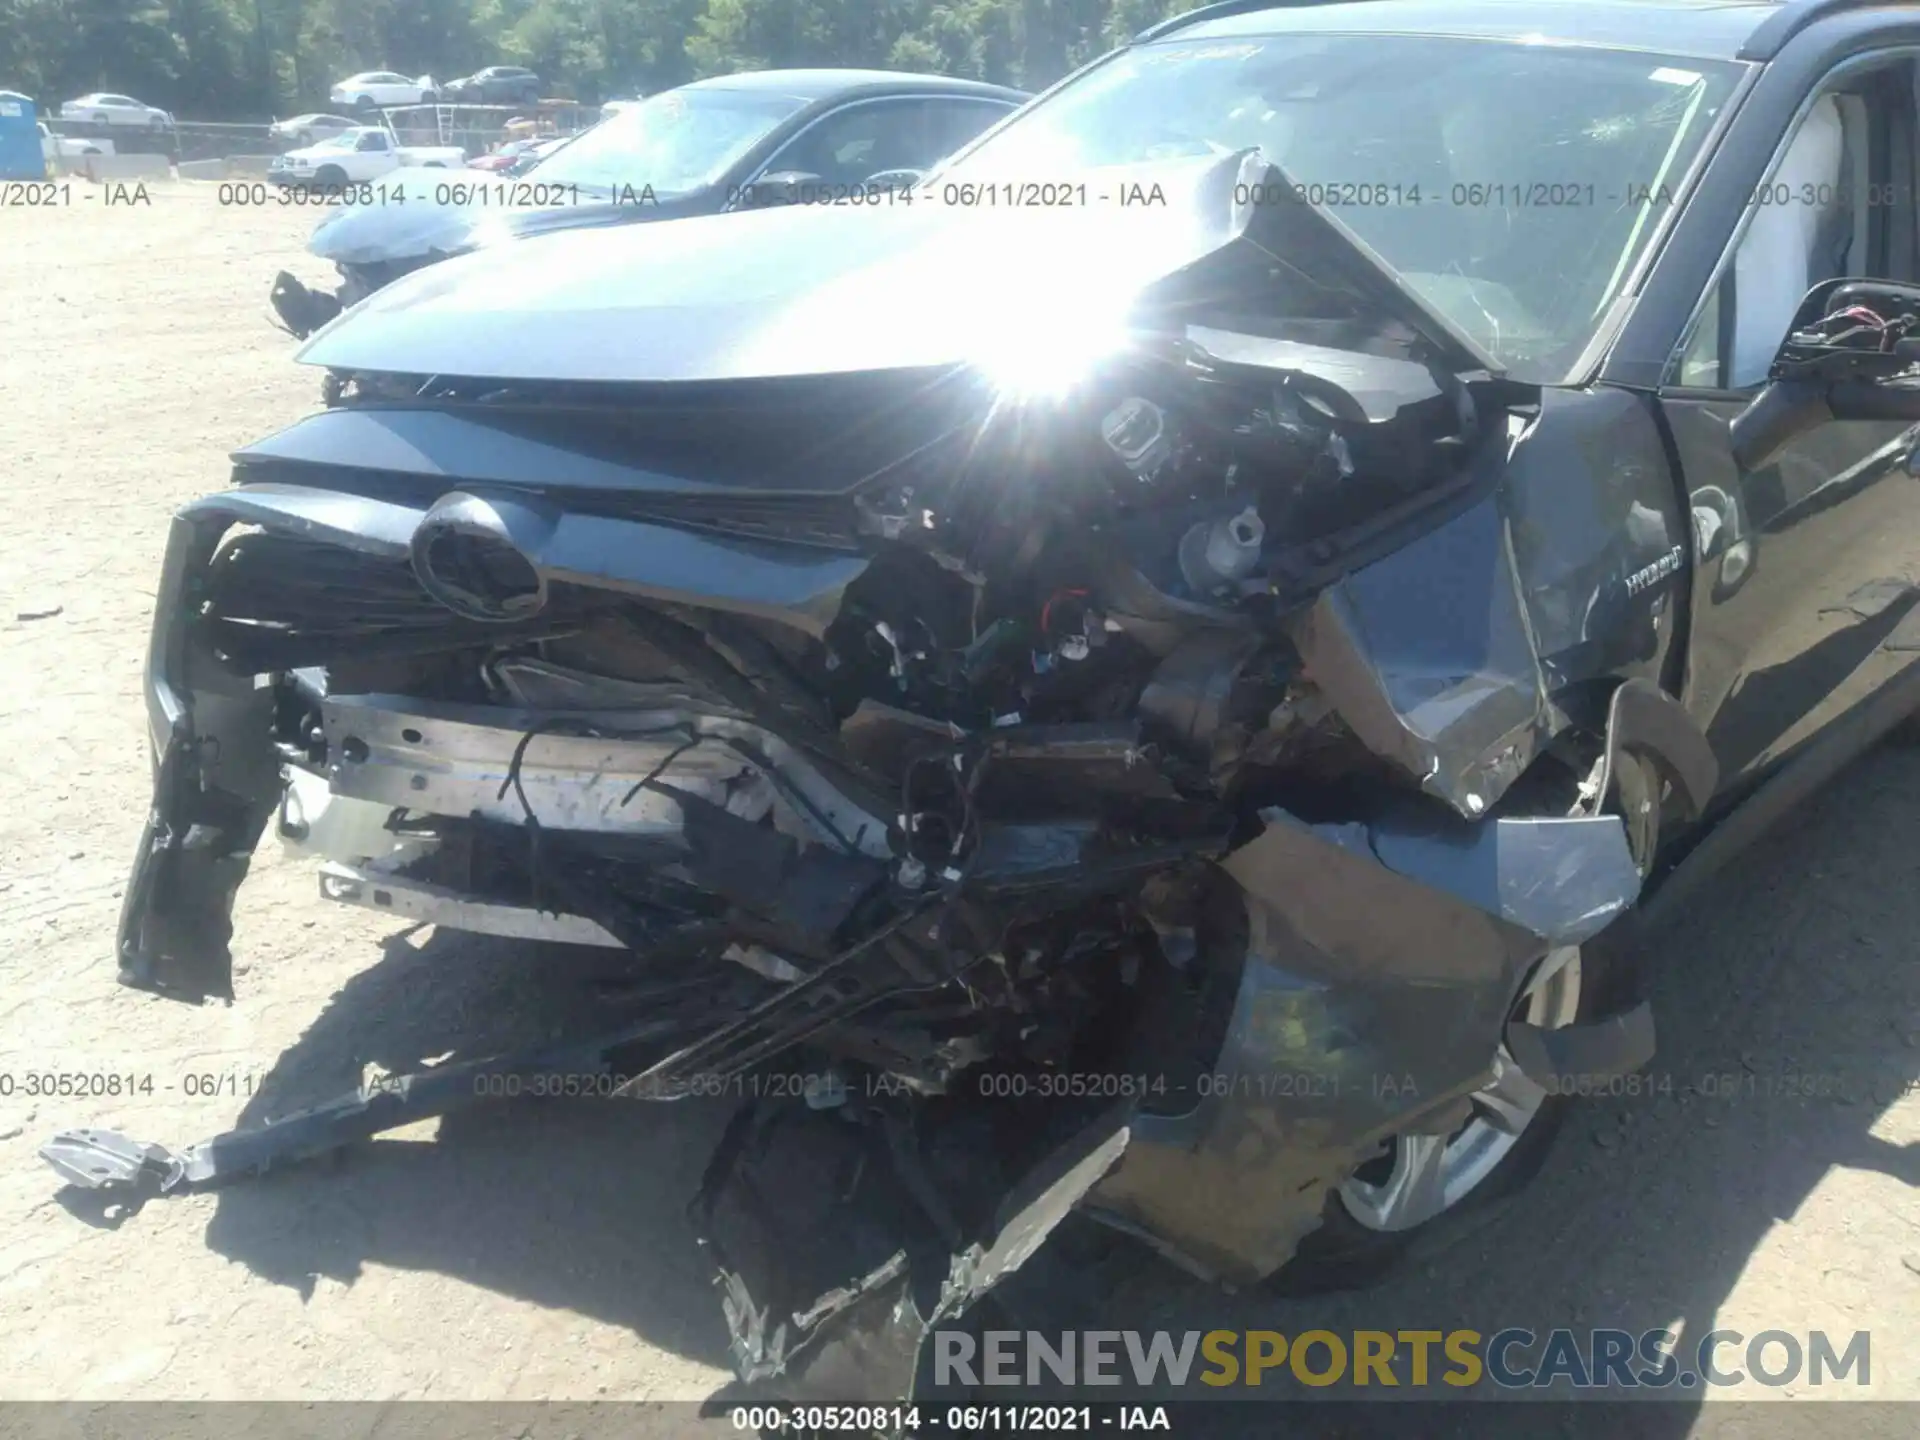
x=1512, y=1359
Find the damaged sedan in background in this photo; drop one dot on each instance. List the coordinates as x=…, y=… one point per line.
x=758, y=138
x=1226, y=666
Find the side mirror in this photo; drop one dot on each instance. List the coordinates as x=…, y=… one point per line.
x=1853, y=354
x=782, y=187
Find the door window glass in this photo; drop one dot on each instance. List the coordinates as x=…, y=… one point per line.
x=1832, y=207
x=845, y=147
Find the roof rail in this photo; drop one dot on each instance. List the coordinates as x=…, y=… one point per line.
x=1789, y=18
x=1219, y=10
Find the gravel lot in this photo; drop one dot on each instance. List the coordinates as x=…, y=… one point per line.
x=539, y=1252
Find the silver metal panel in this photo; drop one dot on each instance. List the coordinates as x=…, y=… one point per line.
x=456, y=760
x=438, y=905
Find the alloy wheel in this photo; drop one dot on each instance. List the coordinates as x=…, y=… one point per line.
x=1422, y=1176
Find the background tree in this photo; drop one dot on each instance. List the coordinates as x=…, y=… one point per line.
x=253, y=59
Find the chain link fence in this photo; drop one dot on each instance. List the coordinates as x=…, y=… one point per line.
x=125, y=139
x=476, y=129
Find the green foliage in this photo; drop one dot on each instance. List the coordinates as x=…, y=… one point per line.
x=252, y=59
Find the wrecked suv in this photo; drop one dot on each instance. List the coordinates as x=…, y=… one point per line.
x=1215, y=618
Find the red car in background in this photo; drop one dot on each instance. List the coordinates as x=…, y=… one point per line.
x=518, y=155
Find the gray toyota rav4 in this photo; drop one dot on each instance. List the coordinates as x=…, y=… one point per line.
x=1167, y=665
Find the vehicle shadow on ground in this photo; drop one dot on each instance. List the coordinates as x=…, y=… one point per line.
x=573, y=1204
x=1789, y=1014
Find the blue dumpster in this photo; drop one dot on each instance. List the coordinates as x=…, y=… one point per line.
x=20, y=155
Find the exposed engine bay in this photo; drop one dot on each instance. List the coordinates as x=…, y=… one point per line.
x=1254, y=710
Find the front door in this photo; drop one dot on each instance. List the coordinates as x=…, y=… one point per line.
x=1807, y=570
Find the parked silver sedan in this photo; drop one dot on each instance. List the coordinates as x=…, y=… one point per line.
x=104, y=109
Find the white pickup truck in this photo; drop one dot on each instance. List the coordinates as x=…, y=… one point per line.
x=65, y=147
x=365, y=152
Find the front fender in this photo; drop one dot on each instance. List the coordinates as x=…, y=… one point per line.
x=1373, y=968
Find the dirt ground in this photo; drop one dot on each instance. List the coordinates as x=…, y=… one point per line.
x=529, y=1252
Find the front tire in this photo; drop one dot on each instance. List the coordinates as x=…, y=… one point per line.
x=330, y=177
x=1427, y=1191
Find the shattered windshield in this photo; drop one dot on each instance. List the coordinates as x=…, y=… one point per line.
x=1512, y=186
x=675, y=142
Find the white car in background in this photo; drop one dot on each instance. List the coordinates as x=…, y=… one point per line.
x=66, y=147
x=104, y=109
x=372, y=88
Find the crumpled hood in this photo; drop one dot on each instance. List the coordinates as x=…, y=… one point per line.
x=425, y=223
x=824, y=289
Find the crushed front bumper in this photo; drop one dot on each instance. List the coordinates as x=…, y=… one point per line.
x=218, y=778
x=1353, y=980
